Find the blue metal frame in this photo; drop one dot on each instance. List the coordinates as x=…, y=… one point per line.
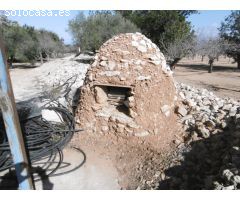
x=12, y=126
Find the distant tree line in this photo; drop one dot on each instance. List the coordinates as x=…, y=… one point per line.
x=26, y=44
x=169, y=29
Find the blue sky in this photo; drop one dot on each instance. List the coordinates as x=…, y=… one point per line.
x=208, y=22
x=205, y=22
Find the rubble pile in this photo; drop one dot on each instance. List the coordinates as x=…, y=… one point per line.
x=128, y=91
x=209, y=157
x=63, y=73
x=203, y=114
x=62, y=81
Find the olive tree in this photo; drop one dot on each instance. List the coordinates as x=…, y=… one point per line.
x=213, y=48
x=90, y=32
x=230, y=31
x=178, y=49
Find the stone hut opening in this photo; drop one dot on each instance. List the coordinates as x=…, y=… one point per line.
x=116, y=95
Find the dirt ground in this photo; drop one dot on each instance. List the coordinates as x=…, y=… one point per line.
x=224, y=81
x=138, y=164
x=106, y=165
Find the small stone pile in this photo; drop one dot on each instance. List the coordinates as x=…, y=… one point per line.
x=211, y=158
x=203, y=114
x=128, y=90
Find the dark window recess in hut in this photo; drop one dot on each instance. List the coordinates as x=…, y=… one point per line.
x=117, y=96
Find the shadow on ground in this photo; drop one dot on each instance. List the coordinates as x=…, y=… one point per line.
x=205, y=67
x=24, y=66
x=42, y=171
x=9, y=180
x=203, y=164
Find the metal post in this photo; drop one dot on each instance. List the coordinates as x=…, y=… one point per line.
x=12, y=126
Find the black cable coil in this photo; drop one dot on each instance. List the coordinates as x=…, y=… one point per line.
x=43, y=139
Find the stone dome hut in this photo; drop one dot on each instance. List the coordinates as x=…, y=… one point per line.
x=128, y=90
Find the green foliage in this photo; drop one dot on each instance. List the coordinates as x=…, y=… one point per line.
x=230, y=31
x=25, y=44
x=161, y=26
x=230, y=28
x=92, y=31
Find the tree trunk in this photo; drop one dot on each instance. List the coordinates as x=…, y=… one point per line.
x=202, y=58
x=237, y=60
x=173, y=63
x=210, y=66
x=10, y=64
x=10, y=61
x=41, y=58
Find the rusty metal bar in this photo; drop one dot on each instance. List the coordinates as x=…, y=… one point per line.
x=12, y=126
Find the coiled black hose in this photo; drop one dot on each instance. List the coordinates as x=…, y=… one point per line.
x=43, y=139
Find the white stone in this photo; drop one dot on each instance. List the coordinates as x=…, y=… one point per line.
x=104, y=58
x=134, y=37
x=141, y=78
x=182, y=111
x=166, y=110
x=110, y=73
x=143, y=43
x=156, y=62
x=51, y=116
x=103, y=63
x=111, y=65
x=104, y=128
x=131, y=99
x=94, y=63
x=100, y=95
x=142, y=134
x=137, y=62
x=138, y=68
x=134, y=43
x=142, y=49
